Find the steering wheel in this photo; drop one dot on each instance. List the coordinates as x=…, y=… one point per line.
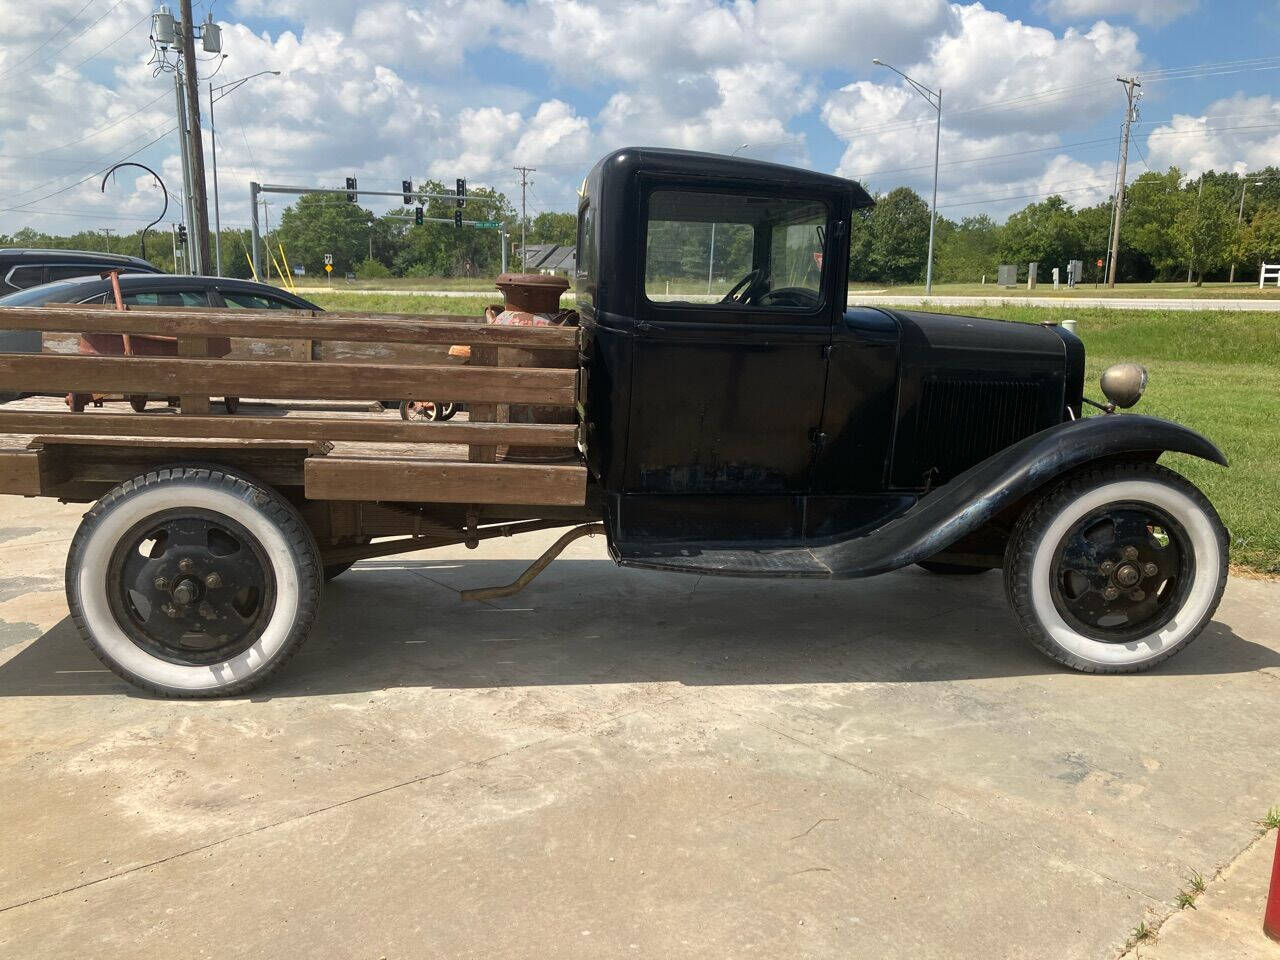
x=790, y=297
x=743, y=287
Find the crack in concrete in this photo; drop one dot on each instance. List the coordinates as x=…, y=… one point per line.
x=161, y=861
x=895, y=784
x=1174, y=911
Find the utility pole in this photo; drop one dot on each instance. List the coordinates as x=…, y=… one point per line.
x=1199, y=195
x=524, y=216
x=1130, y=114
x=199, y=198
x=1244, y=185
x=107, y=232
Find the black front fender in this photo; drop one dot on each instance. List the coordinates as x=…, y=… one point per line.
x=951, y=512
x=981, y=492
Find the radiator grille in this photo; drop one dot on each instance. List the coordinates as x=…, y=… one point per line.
x=962, y=422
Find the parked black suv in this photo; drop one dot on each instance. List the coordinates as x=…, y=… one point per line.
x=23, y=267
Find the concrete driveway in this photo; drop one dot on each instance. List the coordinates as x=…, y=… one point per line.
x=621, y=764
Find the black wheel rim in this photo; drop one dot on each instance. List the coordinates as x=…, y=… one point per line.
x=192, y=587
x=1122, y=572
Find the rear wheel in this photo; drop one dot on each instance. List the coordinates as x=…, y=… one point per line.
x=193, y=582
x=1118, y=568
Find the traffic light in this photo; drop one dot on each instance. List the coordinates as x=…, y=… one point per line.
x=417, y=215
x=407, y=187
x=457, y=218
x=351, y=187
x=460, y=186
x=182, y=233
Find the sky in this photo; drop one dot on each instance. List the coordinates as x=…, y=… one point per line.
x=389, y=90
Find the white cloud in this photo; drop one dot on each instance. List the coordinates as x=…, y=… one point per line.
x=1151, y=12
x=1009, y=91
x=1238, y=133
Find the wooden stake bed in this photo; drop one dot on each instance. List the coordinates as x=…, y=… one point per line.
x=311, y=424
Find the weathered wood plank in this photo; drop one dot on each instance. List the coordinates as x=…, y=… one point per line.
x=20, y=472
x=425, y=481
x=194, y=404
x=162, y=376
x=483, y=412
x=355, y=428
x=281, y=325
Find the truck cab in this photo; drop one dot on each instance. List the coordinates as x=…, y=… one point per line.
x=732, y=396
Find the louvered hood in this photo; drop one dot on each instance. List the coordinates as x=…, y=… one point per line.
x=970, y=387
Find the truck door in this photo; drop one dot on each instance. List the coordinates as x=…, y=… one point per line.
x=729, y=364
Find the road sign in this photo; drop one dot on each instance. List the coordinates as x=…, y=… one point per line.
x=328, y=268
x=487, y=224
x=328, y=259
x=1099, y=262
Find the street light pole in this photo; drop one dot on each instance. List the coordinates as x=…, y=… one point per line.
x=934, y=99
x=213, y=150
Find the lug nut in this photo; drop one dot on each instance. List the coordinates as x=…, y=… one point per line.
x=1137, y=595
x=1107, y=566
x=1150, y=569
x=184, y=593
x=169, y=610
x=185, y=565
x=1111, y=593
x=1131, y=553
x=213, y=581
x=161, y=583
x=206, y=611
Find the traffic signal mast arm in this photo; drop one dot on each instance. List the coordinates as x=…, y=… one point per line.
x=284, y=188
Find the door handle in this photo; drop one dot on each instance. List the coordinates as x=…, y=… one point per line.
x=817, y=437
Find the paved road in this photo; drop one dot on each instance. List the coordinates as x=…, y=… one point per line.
x=894, y=300
x=619, y=764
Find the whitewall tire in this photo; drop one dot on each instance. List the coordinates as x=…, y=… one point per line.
x=1118, y=568
x=193, y=581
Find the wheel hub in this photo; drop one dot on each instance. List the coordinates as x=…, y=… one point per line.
x=1120, y=572
x=191, y=587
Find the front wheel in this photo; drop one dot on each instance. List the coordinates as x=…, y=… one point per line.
x=193, y=582
x=1118, y=568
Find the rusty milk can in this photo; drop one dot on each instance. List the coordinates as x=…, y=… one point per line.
x=533, y=300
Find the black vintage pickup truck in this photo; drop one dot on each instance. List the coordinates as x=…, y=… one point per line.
x=736, y=416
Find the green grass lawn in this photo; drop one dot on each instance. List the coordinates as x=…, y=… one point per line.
x=1218, y=372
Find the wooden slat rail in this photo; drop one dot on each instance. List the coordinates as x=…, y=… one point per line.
x=426, y=481
x=283, y=379
x=354, y=429
x=269, y=325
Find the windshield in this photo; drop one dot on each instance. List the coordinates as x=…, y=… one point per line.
x=56, y=292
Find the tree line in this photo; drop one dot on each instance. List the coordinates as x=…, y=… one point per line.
x=1174, y=228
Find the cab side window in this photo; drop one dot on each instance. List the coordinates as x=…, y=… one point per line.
x=734, y=250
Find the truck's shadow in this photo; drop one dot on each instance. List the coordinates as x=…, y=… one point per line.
x=399, y=624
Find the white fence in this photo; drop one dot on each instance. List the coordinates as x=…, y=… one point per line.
x=1269, y=271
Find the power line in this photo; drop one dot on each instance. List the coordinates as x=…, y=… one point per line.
x=72, y=69
x=109, y=11
x=47, y=40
